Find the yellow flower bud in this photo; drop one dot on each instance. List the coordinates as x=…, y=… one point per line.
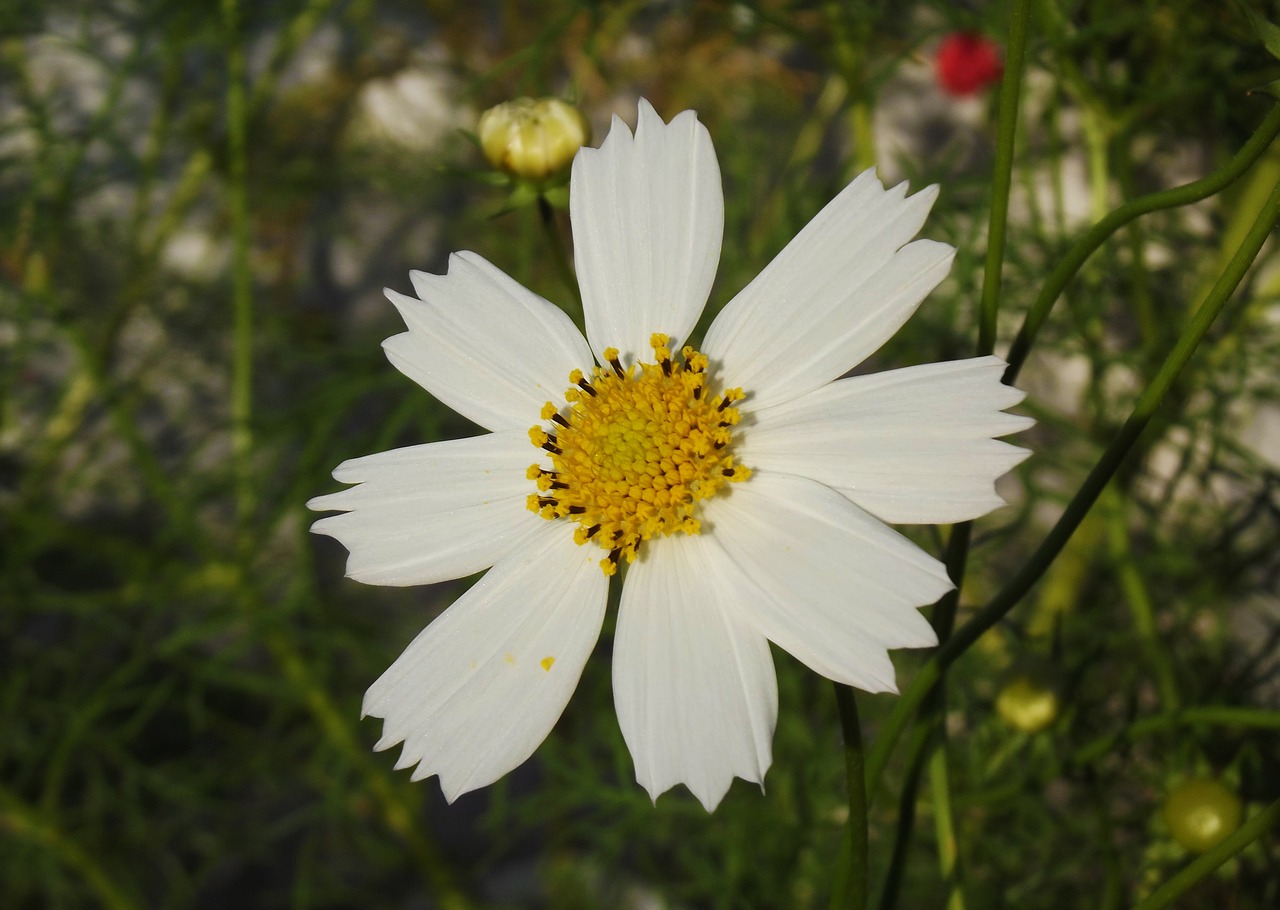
x=1201, y=812
x=1028, y=702
x=532, y=138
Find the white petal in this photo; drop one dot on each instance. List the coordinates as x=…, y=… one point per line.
x=694, y=687
x=429, y=513
x=909, y=445
x=484, y=345
x=648, y=217
x=478, y=689
x=821, y=578
x=837, y=292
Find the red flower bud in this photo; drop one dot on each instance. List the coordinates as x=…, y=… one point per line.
x=967, y=63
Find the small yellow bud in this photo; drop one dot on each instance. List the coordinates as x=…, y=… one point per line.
x=1031, y=697
x=1201, y=812
x=532, y=138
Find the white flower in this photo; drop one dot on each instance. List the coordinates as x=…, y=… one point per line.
x=748, y=481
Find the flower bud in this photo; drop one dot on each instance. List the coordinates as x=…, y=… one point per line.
x=967, y=63
x=1028, y=701
x=532, y=138
x=1201, y=812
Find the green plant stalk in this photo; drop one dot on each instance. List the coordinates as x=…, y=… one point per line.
x=291, y=38
x=856, y=874
x=1211, y=859
x=1085, y=497
x=943, y=619
x=559, y=255
x=805, y=147
x=862, y=125
x=395, y=811
x=1139, y=280
x=945, y=828
x=1095, y=127
x=920, y=746
x=1203, y=715
x=241, y=274
x=958, y=543
x=849, y=51
x=1010, y=95
x=1112, y=894
x=22, y=822
x=1083, y=248
x=1135, y=594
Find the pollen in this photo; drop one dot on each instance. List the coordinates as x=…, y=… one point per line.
x=635, y=450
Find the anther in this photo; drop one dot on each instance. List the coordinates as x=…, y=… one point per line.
x=634, y=450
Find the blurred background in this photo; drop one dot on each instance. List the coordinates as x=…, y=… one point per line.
x=199, y=206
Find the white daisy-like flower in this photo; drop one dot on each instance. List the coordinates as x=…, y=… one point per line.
x=742, y=487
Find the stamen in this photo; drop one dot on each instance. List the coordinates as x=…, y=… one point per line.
x=633, y=457
x=611, y=355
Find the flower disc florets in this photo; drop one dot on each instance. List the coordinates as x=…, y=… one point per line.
x=636, y=450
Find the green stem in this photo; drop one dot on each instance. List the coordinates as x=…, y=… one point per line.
x=1135, y=593
x=559, y=255
x=920, y=747
x=945, y=828
x=1112, y=893
x=862, y=125
x=1204, y=715
x=396, y=811
x=1010, y=95
x=23, y=822
x=241, y=274
x=848, y=42
x=1212, y=858
x=855, y=777
x=1097, y=139
x=1083, y=248
x=958, y=543
x=1085, y=497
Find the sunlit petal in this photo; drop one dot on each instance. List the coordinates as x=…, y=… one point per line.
x=694, y=686
x=648, y=215
x=481, y=687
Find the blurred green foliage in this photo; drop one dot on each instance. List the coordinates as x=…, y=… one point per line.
x=180, y=681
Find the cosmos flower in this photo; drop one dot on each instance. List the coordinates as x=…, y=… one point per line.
x=739, y=490
x=967, y=63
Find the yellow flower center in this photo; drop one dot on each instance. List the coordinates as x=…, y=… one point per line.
x=635, y=450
